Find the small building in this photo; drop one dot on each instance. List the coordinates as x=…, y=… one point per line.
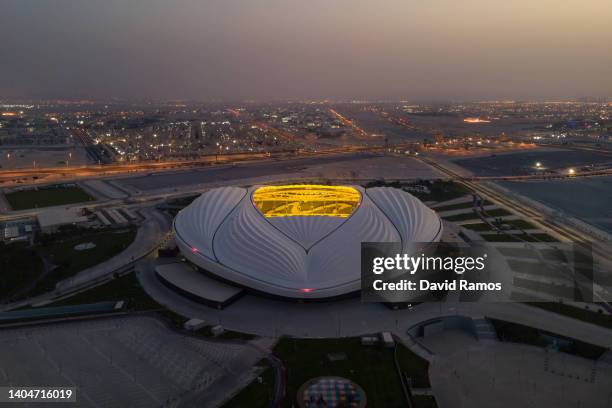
x=11, y=232
x=194, y=324
x=195, y=285
x=387, y=339
x=51, y=220
x=217, y=330
x=369, y=340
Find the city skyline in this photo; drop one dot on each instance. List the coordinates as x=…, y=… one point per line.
x=226, y=51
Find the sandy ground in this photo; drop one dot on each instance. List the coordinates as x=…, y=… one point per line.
x=13, y=158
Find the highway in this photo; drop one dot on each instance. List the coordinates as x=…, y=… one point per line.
x=94, y=151
x=265, y=164
x=555, y=176
x=48, y=174
x=151, y=188
x=37, y=175
x=359, y=132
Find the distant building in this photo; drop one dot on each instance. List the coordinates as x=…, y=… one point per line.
x=196, y=130
x=387, y=339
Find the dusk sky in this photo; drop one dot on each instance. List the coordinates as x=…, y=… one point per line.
x=277, y=49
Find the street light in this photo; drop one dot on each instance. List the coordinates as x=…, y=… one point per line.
x=572, y=172
x=538, y=165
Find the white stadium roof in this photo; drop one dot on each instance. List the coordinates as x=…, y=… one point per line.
x=298, y=241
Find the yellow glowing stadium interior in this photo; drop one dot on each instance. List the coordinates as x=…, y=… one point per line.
x=302, y=200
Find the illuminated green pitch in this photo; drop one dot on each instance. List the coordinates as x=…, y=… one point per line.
x=303, y=200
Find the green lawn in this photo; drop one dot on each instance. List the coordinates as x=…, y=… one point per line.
x=498, y=212
x=183, y=201
x=519, y=224
x=518, y=253
x=47, y=196
x=548, y=254
x=518, y=237
x=542, y=237
x=458, y=206
x=414, y=366
x=424, y=401
x=499, y=238
x=128, y=289
x=175, y=205
x=478, y=227
x=440, y=190
x=371, y=367
x=462, y=217
x=124, y=288
x=19, y=266
x=444, y=190
x=59, y=250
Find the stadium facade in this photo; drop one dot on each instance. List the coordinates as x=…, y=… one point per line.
x=297, y=241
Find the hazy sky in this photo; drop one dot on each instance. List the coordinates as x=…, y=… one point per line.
x=279, y=49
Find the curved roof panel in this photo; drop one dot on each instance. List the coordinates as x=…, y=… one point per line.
x=226, y=232
x=201, y=219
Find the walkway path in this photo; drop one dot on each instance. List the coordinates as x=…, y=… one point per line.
x=267, y=317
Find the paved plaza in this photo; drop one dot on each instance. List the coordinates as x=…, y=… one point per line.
x=468, y=373
x=125, y=362
x=351, y=317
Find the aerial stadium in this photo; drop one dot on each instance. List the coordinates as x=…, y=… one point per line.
x=297, y=241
